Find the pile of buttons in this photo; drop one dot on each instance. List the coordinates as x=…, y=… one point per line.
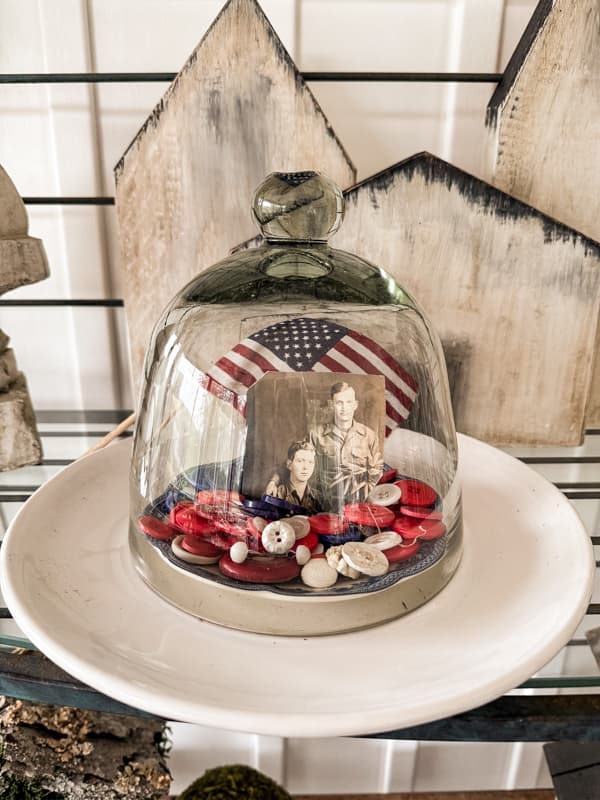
x=271, y=541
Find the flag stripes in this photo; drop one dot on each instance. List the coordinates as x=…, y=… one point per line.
x=310, y=345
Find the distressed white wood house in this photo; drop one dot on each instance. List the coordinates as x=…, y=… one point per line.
x=544, y=123
x=22, y=261
x=513, y=293
x=237, y=111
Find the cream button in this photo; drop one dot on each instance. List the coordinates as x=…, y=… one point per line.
x=336, y=560
x=384, y=540
x=238, y=552
x=302, y=554
x=385, y=494
x=318, y=574
x=278, y=537
x=365, y=558
x=300, y=524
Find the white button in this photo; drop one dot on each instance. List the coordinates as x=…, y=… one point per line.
x=365, y=558
x=386, y=494
x=300, y=524
x=238, y=552
x=336, y=560
x=384, y=540
x=278, y=537
x=320, y=548
x=259, y=523
x=318, y=574
x=302, y=554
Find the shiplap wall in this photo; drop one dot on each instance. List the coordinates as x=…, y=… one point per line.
x=65, y=140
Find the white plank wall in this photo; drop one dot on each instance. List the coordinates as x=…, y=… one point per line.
x=65, y=140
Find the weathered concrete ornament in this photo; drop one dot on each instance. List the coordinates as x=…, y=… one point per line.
x=22, y=261
x=183, y=185
x=544, y=124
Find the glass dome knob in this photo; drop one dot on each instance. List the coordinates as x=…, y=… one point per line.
x=298, y=206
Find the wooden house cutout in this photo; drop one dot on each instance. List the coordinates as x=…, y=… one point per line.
x=513, y=294
x=237, y=111
x=544, y=124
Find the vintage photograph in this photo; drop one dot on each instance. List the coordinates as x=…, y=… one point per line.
x=315, y=440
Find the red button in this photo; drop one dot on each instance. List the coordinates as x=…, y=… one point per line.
x=155, y=528
x=420, y=513
x=405, y=525
x=234, y=526
x=260, y=570
x=199, y=547
x=402, y=552
x=311, y=540
x=416, y=493
x=369, y=514
x=327, y=524
x=185, y=519
x=388, y=476
x=430, y=529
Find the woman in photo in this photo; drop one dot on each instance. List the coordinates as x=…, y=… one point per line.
x=292, y=483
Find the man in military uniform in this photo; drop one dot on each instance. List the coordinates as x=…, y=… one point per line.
x=349, y=461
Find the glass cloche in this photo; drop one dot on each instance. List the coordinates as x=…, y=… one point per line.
x=294, y=465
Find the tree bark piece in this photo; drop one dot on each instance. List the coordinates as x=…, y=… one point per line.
x=80, y=754
x=544, y=124
x=185, y=185
x=513, y=294
x=22, y=257
x=19, y=439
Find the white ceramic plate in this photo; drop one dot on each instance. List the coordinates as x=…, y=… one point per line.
x=522, y=587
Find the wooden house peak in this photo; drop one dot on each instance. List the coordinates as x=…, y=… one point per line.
x=475, y=191
x=515, y=64
x=245, y=12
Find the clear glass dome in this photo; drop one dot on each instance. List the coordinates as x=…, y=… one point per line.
x=294, y=465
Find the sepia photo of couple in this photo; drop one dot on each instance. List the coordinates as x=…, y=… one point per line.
x=315, y=440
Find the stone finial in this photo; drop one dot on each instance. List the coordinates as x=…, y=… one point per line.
x=22, y=257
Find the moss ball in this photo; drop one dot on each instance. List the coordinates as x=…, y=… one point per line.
x=232, y=782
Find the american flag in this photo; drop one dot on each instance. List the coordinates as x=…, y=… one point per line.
x=310, y=345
